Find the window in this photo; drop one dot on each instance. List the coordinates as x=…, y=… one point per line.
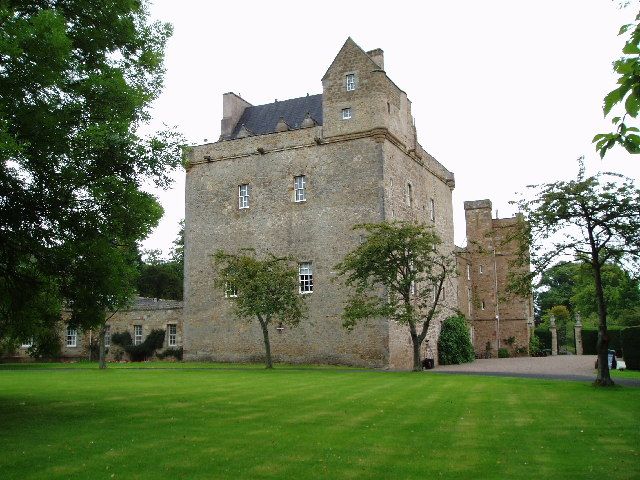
x=230, y=290
x=468, y=272
x=27, y=344
x=351, y=82
x=298, y=188
x=173, y=335
x=409, y=195
x=137, y=334
x=107, y=336
x=481, y=269
x=469, y=300
x=432, y=210
x=243, y=196
x=72, y=337
x=482, y=304
x=346, y=113
x=305, y=275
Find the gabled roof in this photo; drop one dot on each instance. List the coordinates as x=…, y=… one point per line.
x=262, y=119
x=349, y=43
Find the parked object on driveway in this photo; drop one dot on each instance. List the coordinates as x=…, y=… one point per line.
x=614, y=363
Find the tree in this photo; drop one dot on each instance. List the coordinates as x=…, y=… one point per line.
x=556, y=287
x=596, y=220
x=454, y=344
x=571, y=284
x=77, y=79
x=263, y=289
x=397, y=272
x=628, y=93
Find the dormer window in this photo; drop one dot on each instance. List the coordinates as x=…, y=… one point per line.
x=346, y=113
x=351, y=82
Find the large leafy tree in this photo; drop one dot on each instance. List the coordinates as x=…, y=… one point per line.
x=397, y=272
x=76, y=81
x=626, y=95
x=160, y=277
x=263, y=289
x=596, y=221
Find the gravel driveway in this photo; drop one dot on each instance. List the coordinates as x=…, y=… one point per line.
x=562, y=367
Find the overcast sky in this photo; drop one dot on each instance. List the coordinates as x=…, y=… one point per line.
x=504, y=93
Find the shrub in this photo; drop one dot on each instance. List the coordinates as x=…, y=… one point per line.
x=590, y=340
x=503, y=353
x=454, y=344
x=544, y=338
x=535, y=348
x=46, y=345
x=144, y=351
x=171, y=352
x=631, y=347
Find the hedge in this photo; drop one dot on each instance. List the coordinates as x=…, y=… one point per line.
x=590, y=340
x=631, y=347
x=544, y=335
x=454, y=344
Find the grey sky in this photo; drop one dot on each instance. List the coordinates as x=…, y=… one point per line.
x=504, y=93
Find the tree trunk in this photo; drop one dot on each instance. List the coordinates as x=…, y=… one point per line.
x=603, y=378
x=101, y=360
x=415, y=341
x=267, y=346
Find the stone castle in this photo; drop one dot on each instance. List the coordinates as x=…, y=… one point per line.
x=292, y=177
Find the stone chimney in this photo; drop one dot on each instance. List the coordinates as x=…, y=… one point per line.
x=232, y=108
x=377, y=56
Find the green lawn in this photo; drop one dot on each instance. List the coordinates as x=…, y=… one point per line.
x=310, y=423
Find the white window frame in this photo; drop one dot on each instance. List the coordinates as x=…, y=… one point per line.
x=72, y=337
x=305, y=277
x=137, y=334
x=351, y=82
x=299, y=184
x=230, y=290
x=243, y=196
x=172, y=330
x=107, y=336
x=346, y=113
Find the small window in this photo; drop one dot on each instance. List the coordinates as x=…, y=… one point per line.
x=137, y=334
x=243, y=196
x=468, y=272
x=432, y=210
x=409, y=195
x=305, y=274
x=469, y=300
x=299, y=188
x=346, y=113
x=482, y=304
x=442, y=294
x=72, y=337
x=107, y=336
x=173, y=335
x=351, y=82
x=481, y=269
x=230, y=290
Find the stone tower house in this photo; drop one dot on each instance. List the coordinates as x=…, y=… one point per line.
x=498, y=319
x=293, y=177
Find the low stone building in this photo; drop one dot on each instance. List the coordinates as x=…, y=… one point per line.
x=293, y=177
x=498, y=318
x=144, y=315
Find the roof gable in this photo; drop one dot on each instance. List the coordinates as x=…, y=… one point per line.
x=350, y=45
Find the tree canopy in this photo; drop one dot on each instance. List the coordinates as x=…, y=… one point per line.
x=264, y=289
x=399, y=273
x=626, y=94
x=76, y=82
x=593, y=220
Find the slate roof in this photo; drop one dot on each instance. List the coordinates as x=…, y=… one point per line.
x=263, y=119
